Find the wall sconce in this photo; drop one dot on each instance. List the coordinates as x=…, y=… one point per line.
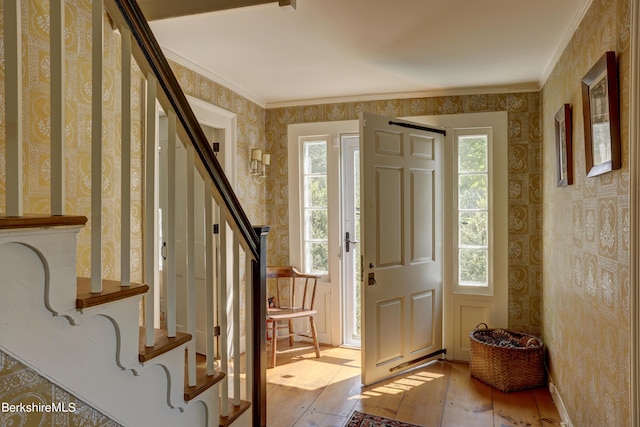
x=258, y=165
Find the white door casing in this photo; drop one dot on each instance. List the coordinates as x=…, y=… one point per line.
x=216, y=118
x=328, y=298
x=401, y=200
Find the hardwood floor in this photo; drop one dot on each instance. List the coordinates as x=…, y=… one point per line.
x=304, y=391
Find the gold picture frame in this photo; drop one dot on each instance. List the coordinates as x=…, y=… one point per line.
x=600, y=105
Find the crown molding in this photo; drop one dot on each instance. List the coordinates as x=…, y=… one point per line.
x=564, y=42
x=482, y=90
x=214, y=77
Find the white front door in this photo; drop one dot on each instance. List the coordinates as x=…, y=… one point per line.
x=401, y=200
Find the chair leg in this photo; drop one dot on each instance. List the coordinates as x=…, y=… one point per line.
x=315, y=336
x=290, y=332
x=274, y=340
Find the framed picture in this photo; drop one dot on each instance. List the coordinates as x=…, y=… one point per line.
x=601, y=110
x=564, y=146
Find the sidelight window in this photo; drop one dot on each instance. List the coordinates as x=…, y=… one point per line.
x=315, y=207
x=473, y=204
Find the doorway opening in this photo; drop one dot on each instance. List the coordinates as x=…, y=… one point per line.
x=351, y=252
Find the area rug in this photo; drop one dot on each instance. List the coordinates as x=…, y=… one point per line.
x=358, y=419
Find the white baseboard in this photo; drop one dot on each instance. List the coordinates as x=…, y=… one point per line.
x=557, y=399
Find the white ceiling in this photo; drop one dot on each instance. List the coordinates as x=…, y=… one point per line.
x=374, y=48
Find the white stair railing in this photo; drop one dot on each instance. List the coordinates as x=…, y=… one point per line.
x=221, y=256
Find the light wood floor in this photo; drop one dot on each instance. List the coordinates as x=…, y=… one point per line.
x=304, y=391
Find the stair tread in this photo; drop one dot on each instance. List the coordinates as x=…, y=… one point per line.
x=111, y=291
x=234, y=412
x=203, y=381
x=162, y=343
x=36, y=221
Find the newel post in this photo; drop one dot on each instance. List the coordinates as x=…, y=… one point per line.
x=259, y=327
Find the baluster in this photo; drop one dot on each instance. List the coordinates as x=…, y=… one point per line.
x=57, y=119
x=151, y=208
x=125, y=195
x=170, y=263
x=191, y=251
x=209, y=285
x=97, y=36
x=222, y=311
x=236, y=319
x=248, y=327
x=216, y=276
x=13, y=102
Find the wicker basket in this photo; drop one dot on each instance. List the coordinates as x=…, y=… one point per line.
x=506, y=360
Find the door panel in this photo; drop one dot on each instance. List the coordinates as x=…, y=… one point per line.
x=390, y=330
x=422, y=215
x=401, y=234
x=469, y=312
x=389, y=197
x=422, y=312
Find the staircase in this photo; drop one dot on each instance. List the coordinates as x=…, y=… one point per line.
x=196, y=359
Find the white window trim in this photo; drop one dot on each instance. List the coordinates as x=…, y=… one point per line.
x=457, y=287
x=303, y=206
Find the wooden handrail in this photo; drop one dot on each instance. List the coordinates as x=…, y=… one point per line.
x=141, y=32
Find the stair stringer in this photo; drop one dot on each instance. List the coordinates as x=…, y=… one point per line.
x=84, y=359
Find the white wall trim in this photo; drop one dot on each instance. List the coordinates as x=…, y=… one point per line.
x=564, y=42
x=557, y=399
x=634, y=212
x=217, y=117
x=524, y=87
x=211, y=76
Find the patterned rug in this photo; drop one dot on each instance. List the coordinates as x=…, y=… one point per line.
x=358, y=419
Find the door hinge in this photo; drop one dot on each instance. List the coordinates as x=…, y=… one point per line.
x=216, y=331
x=216, y=147
x=216, y=229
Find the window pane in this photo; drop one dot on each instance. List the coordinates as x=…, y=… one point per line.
x=473, y=267
x=472, y=154
x=473, y=229
x=316, y=224
x=472, y=191
x=317, y=257
x=315, y=157
x=315, y=191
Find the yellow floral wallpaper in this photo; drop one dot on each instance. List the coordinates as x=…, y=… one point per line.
x=586, y=323
x=36, y=131
x=525, y=180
